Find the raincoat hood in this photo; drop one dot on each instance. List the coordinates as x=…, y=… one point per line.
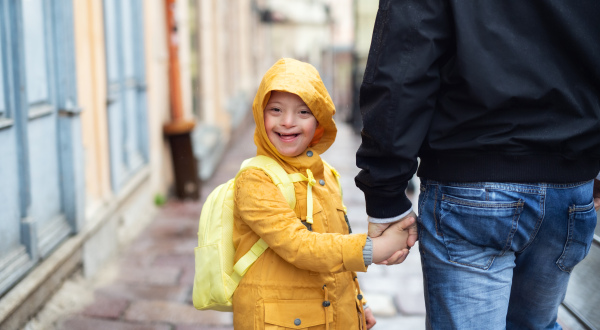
x=302, y=79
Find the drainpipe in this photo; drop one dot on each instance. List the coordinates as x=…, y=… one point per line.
x=179, y=129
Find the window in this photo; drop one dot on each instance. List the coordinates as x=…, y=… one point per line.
x=2, y=102
x=36, y=57
x=3, y=113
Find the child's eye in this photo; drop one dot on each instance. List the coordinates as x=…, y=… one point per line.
x=276, y=109
x=305, y=112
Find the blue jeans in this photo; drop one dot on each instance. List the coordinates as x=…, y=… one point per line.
x=499, y=255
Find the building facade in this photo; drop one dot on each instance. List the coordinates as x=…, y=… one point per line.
x=84, y=96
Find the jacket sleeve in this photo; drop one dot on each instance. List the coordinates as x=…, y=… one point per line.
x=398, y=97
x=263, y=208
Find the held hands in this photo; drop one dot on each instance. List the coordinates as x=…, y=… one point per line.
x=392, y=241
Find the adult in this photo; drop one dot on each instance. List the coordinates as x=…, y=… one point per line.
x=500, y=102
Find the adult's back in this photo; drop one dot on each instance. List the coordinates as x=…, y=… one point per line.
x=508, y=85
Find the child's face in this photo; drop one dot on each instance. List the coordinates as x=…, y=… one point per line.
x=289, y=123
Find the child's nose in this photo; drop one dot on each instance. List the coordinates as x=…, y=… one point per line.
x=288, y=119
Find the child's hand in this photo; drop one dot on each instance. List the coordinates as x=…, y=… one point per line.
x=391, y=246
x=369, y=318
x=397, y=258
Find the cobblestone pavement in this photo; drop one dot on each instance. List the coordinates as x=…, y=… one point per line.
x=152, y=283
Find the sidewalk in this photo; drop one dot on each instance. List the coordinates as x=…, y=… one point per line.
x=150, y=283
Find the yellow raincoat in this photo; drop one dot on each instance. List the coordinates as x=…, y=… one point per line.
x=304, y=279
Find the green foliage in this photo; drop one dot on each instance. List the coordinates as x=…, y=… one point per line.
x=159, y=200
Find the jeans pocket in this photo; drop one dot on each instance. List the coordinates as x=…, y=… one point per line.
x=475, y=232
x=582, y=222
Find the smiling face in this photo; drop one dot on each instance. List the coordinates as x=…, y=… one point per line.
x=289, y=123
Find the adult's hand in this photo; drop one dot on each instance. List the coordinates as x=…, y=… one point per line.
x=411, y=240
x=596, y=196
x=376, y=229
x=413, y=234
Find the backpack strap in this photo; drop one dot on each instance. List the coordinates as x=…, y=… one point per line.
x=277, y=174
x=241, y=267
x=337, y=177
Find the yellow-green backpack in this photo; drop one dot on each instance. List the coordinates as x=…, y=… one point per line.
x=216, y=277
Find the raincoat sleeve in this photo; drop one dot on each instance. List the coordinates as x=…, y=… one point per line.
x=397, y=98
x=263, y=208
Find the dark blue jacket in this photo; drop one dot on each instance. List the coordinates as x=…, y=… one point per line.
x=485, y=90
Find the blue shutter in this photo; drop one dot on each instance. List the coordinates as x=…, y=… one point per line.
x=39, y=151
x=16, y=257
x=36, y=57
x=2, y=101
x=45, y=186
x=126, y=89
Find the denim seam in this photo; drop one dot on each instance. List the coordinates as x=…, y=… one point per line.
x=517, y=187
x=560, y=260
x=566, y=185
x=435, y=200
x=517, y=204
x=515, y=222
x=584, y=208
x=529, y=188
x=485, y=267
x=425, y=193
x=572, y=210
x=538, y=224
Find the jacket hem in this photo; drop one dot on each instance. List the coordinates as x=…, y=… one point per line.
x=507, y=168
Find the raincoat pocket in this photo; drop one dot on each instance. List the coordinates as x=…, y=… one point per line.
x=296, y=314
x=301, y=207
x=317, y=214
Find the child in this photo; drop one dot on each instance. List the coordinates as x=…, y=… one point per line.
x=305, y=279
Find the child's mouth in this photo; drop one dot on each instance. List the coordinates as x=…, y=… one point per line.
x=287, y=137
